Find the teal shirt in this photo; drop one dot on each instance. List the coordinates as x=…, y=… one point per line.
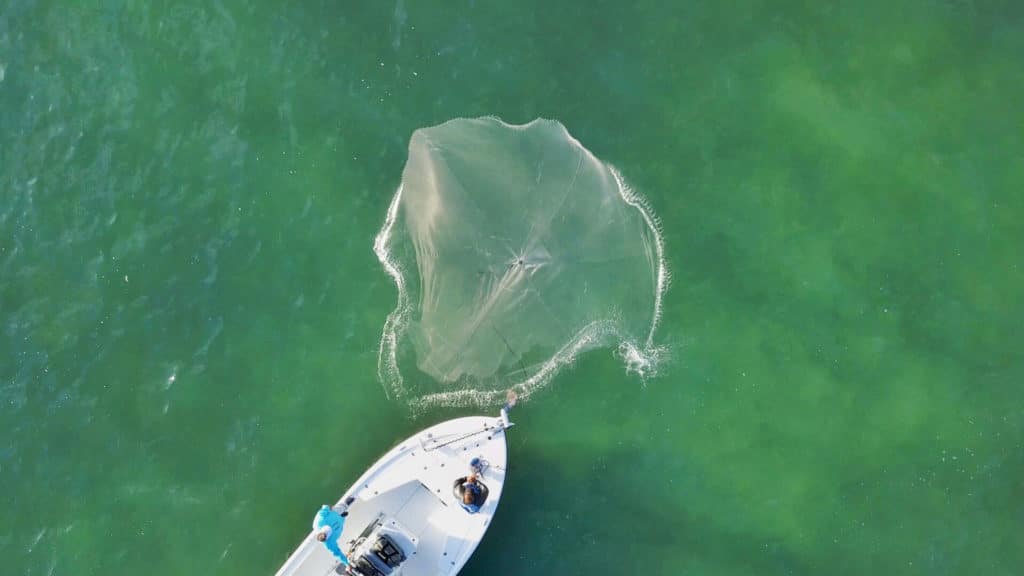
x=327, y=517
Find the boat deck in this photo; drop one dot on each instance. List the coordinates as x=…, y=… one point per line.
x=411, y=488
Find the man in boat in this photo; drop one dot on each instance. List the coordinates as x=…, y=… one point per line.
x=473, y=493
x=470, y=491
x=327, y=524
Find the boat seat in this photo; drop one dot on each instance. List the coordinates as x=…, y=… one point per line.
x=363, y=566
x=381, y=559
x=388, y=551
x=459, y=488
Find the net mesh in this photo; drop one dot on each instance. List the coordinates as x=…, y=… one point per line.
x=513, y=249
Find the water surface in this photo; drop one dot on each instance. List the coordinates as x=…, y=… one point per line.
x=191, y=307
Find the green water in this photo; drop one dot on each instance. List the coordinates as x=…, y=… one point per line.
x=191, y=308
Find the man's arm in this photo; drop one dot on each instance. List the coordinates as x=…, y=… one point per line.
x=332, y=545
x=317, y=520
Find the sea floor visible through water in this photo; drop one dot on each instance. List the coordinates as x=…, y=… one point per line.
x=191, y=307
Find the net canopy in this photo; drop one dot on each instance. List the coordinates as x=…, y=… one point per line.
x=513, y=249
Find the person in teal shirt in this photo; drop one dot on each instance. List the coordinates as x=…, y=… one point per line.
x=328, y=524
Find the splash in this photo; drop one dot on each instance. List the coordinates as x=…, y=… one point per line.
x=513, y=250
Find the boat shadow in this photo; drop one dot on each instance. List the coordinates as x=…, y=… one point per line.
x=617, y=513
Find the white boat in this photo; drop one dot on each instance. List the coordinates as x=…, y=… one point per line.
x=405, y=516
